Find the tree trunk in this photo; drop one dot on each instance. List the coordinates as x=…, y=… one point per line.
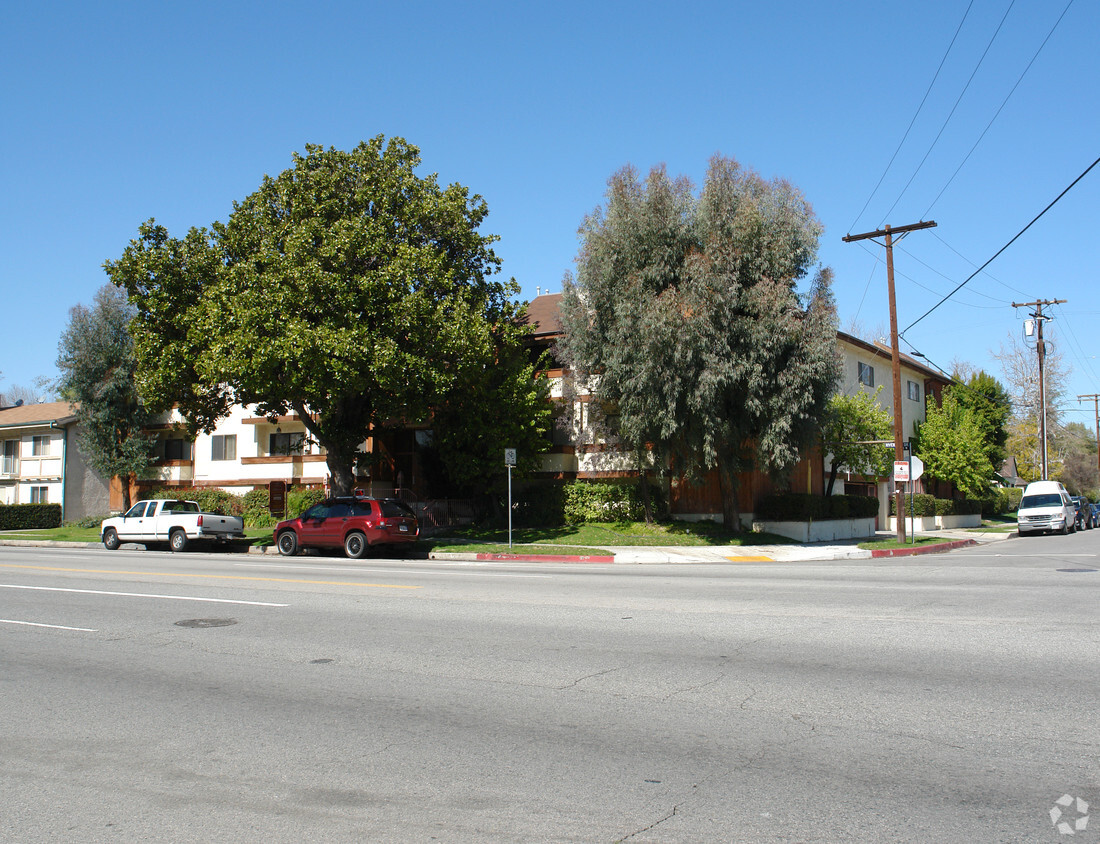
x=644, y=484
x=731, y=513
x=124, y=482
x=339, y=469
x=832, y=480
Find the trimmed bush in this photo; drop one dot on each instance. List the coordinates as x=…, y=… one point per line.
x=210, y=500
x=923, y=504
x=805, y=507
x=588, y=501
x=540, y=505
x=254, y=509
x=300, y=499
x=30, y=516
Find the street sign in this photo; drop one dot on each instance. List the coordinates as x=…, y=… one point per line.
x=901, y=470
x=509, y=457
x=916, y=468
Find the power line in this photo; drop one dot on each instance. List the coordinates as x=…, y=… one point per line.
x=951, y=114
x=1003, y=248
x=998, y=112
x=935, y=76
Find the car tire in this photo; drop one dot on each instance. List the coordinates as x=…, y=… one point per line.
x=355, y=545
x=287, y=543
x=177, y=540
x=110, y=539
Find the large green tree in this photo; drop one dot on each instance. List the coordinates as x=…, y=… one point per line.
x=685, y=314
x=952, y=443
x=347, y=289
x=992, y=405
x=98, y=368
x=853, y=432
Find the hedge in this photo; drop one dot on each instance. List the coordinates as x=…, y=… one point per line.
x=806, y=507
x=29, y=516
x=252, y=506
x=556, y=503
x=924, y=504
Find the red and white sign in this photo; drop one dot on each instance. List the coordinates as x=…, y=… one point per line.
x=901, y=470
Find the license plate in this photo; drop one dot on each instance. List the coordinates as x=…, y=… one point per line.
x=404, y=528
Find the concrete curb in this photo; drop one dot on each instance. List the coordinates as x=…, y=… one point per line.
x=924, y=549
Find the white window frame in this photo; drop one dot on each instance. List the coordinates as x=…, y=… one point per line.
x=40, y=495
x=914, y=391
x=40, y=445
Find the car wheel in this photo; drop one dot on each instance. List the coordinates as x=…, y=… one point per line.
x=288, y=543
x=177, y=540
x=355, y=545
x=111, y=540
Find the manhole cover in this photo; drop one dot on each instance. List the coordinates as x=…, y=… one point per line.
x=206, y=622
x=1077, y=571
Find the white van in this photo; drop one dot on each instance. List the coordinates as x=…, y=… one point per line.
x=1046, y=505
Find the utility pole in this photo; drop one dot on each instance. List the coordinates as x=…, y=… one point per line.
x=1096, y=408
x=895, y=354
x=1041, y=348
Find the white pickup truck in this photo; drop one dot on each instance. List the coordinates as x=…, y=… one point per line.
x=171, y=521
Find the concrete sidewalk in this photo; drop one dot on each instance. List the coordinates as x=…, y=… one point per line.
x=746, y=553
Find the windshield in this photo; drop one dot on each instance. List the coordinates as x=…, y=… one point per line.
x=1049, y=499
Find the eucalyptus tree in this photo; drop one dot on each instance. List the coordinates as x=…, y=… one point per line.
x=98, y=367
x=686, y=309
x=347, y=289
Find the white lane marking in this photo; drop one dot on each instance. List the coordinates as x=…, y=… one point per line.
x=377, y=571
x=51, y=626
x=143, y=595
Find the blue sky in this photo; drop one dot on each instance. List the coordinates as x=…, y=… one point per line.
x=118, y=112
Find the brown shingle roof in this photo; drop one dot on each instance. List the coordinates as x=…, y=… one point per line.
x=542, y=314
x=37, y=414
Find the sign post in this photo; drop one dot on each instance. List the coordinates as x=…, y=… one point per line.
x=510, y=462
x=916, y=469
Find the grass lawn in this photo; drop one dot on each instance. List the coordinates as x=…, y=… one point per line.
x=921, y=542
x=604, y=534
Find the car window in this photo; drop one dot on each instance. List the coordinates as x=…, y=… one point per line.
x=362, y=508
x=137, y=511
x=392, y=508
x=339, y=510
x=1049, y=499
x=317, y=511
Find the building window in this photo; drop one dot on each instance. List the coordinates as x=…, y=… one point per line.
x=223, y=447
x=8, y=460
x=177, y=450
x=285, y=443
x=866, y=374
x=40, y=446
x=39, y=493
x=914, y=391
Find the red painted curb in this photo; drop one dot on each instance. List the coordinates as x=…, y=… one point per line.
x=546, y=558
x=924, y=549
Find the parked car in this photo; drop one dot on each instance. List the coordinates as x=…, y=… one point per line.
x=1083, y=512
x=1046, y=506
x=354, y=523
x=168, y=520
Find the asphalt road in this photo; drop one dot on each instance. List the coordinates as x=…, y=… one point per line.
x=147, y=696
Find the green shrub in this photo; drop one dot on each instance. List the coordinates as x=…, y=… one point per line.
x=922, y=504
x=300, y=499
x=30, y=516
x=209, y=499
x=587, y=501
x=254, y=509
